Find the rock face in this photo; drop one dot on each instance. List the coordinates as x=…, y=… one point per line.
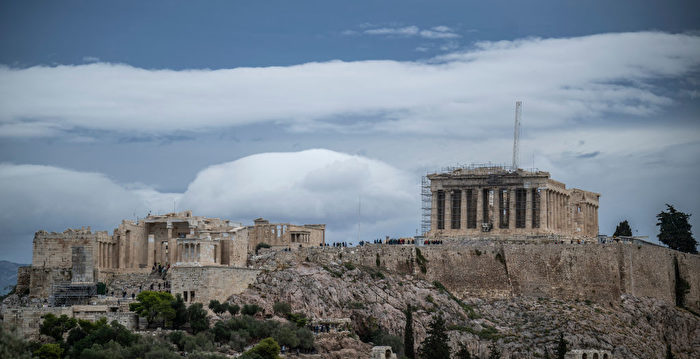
x=522, y=327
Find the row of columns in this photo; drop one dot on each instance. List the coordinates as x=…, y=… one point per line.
x=557, y=210
x=188, y=252
x=106, y=254
x=590, y=218
x=482, y=195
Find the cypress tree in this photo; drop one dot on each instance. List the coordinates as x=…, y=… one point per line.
x=435, y=344
x=561, y=347
x=675, y=230
x=623, y=229
x=409, y=351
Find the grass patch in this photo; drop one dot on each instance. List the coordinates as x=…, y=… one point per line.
x=334, y=273
x=471, y=313
x=421, y=261
x=487, y=333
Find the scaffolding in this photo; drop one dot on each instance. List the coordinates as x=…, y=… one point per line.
x=66, y=293
x=426, y=205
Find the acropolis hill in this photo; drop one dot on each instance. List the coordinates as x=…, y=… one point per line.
x=494, y=279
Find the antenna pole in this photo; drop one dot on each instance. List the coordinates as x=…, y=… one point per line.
x=516, y=135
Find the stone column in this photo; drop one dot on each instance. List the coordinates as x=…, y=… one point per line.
x=479, y=207
x=463, y=209
x=511, y=209
x=151, y=249
x=433, y=212
x=528, y=208
x=198, y=252
x=555, y=212
x=448, y=210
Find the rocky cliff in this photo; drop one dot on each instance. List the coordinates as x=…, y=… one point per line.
x=517, y=310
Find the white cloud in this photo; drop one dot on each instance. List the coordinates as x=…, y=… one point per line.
x=313, y=186
x=91, y=59
x=401, y=31
x=318, y=186
x=560, y=80
x=430, y=34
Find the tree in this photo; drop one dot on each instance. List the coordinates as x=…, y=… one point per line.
x=495, y=353
x=669, y=354
x=282, y=309
x=250, y=309
x=674, y=230
x=233, y=309
x=180, y=309
x=154, y=306
x=217, y=307
x=265, y=349
x=197, y=317
x=49, y=351
x=463, y=352
x=561, y=347
x=55, y=327
x=408, y=341
x=623, y=230
x=434, y=346
x=546, y=353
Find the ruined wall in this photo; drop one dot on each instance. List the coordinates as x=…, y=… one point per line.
x=209, y=283
x=597, y=272
x=53, y=249
x=25, y=321
x=42, y=279
x=23, y=279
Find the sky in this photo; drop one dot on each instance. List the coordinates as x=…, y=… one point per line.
x=330, y=112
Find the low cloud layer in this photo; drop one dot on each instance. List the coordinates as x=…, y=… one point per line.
x=313, y=186
x=562, y=81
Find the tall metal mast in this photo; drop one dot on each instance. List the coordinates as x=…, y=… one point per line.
x=516, y=135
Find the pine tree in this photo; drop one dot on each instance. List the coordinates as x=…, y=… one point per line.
x=495, y=353
x=561, y=347
x=463, y=352
x=623, y=230
x=674, y=230
x=669, y=354
x=408, y=341
x=434, y=346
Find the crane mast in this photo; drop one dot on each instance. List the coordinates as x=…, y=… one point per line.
x=516, y=135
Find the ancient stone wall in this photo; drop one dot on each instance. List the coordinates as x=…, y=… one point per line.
x=25, y=321
x=54, y=250
x=597, y=272
x=42, y=280
x=23, y=279
x=208, y=283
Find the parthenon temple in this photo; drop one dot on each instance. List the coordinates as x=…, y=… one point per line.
x=495, y=201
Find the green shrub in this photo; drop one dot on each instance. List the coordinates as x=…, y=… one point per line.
x=261, y=245
x=101, y=288
x=349, y=266
x=265, y=349
x=251, y=309
x=233, y=309
x=282, y=308
x=49, y=351
x=197, y=317
x=421, y=261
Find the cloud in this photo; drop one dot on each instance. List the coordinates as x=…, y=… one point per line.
x=313, y=186
x=91, y=59
x=400, y=31
x=437, y=32
x=561, y=80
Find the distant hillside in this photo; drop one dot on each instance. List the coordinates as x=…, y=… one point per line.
x=8, y=275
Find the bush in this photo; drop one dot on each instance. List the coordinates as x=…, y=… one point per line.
x=233, y=309
x=282, y=308
x=349, y=266
x=265, y=349
x=55, y=327
x=261, y=245
x=421, y=261
x=101, y=288
x=154, y=306
x=250, y=309
x=49, y=351
x=197, y=317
